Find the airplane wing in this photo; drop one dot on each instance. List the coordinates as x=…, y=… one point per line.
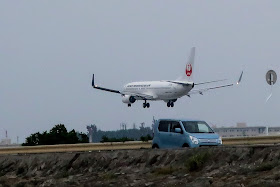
x=195, y=84
x=210, y=82
x=239, y=80
x=137, y=95
x=201, y=91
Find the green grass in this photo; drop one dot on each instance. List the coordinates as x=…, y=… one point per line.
x=109, y=176
x=197, y=161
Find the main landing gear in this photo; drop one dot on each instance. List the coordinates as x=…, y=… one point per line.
x=146, y=104
x=170, y=104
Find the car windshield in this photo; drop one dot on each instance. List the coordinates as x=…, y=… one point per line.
x=197, y=127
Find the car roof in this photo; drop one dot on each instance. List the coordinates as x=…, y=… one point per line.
x=179, y=119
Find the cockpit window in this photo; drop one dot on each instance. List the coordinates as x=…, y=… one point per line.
x=197, y=127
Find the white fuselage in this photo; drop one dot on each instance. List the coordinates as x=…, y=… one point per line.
x=160, y=90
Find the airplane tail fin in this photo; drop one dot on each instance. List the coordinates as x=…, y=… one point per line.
x=188, y=71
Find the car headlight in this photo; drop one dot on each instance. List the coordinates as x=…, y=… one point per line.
x=220, y=141
x=194, y=139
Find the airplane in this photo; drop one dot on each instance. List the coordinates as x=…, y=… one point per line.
x=167, y=91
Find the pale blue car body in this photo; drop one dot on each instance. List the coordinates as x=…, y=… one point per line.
x=183, y=139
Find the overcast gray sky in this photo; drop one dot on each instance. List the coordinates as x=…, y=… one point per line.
x=49, y=50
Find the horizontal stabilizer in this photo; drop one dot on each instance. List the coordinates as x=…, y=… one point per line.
x=180, y=82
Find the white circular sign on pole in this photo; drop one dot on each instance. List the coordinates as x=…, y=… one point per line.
x=271, y=77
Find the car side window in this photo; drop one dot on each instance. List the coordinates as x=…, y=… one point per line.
x=174, y=125
x=163, y=126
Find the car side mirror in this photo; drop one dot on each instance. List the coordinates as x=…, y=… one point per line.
x=178, y=130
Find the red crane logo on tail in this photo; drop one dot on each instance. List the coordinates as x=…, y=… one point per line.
x=189, y=70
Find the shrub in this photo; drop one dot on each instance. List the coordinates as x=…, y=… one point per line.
x=197, y=161
x=146, y=138
x=123, y=139
x=266, y=166
x=109, y=176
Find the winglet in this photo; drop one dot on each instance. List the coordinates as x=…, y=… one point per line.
x=92, y=83
x=240, y=78
x=101, y=88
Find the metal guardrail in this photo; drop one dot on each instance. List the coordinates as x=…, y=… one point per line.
x=126, y=145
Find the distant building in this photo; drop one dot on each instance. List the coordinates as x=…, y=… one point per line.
x=273, y=130
x=242, y=130
x=241, y=125
x=6, y=142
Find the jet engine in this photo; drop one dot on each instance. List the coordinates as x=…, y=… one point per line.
x=128, y=99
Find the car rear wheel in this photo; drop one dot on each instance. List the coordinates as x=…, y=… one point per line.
x=155, y=146
x=185, y=145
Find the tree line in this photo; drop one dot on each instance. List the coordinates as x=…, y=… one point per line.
x=125, y=139
x=57, y=135
x=141, y=133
